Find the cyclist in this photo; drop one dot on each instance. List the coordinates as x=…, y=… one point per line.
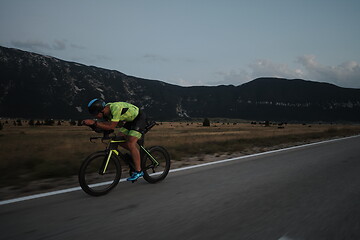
x=131, y=119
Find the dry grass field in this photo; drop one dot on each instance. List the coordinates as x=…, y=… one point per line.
x=36, y=158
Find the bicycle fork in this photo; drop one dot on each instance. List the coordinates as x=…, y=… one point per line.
x=106, y=161
x=112, y=148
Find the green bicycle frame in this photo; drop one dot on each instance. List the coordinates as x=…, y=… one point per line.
x=102, y=172
x=113, y=149
x=112, y=146
x=151, y=157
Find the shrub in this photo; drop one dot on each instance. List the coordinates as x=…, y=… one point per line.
x=206, y=122
x=19, y=123
x=49, y=122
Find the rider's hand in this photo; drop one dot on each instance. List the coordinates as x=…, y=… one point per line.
x=89, y=122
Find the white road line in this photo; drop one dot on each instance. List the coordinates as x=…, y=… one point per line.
x=174, y=170
x=260, y=154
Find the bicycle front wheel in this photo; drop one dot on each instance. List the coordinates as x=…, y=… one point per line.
x=99, y=174
x=155, y=164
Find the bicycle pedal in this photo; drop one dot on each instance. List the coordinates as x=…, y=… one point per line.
x=133, y=181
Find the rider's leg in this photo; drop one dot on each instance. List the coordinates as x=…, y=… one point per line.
x=133, y=135
x=135, y=153
x=131, y=145
x=123, y=144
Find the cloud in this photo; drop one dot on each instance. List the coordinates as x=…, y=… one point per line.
x=31, y=45
x=59, y=45
x=346, y=74
x=266, y=68
x=185, y=82
x=234, y=77
x=259, y=68
x=77, y=46
x=40, y=46
x=155, y=58
x=101, y=57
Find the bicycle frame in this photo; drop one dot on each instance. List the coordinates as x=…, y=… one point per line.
x=113, y=148
x=105, y=164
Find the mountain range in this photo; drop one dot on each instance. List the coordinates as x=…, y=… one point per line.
x=43, y=87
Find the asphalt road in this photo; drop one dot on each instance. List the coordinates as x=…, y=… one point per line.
x=311, y=192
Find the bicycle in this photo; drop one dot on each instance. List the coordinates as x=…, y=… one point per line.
x=101, y=171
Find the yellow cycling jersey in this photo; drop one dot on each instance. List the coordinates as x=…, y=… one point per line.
x=123, y=111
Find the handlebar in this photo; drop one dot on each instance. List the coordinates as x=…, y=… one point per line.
x=104, y=132
x=104, y=137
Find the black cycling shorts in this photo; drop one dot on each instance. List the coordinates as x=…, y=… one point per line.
x=136, y=127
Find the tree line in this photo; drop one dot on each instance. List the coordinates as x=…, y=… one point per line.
x=46, y=122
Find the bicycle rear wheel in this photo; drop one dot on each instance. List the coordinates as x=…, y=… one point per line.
x=155, y=164
x=93, y=179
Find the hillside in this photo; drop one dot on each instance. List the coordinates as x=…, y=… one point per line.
x=37, y=86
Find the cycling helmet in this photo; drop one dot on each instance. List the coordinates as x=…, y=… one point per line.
x=96, y=105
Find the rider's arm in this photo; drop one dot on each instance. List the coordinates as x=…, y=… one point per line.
x=106, y=125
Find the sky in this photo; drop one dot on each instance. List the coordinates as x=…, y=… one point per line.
x=194, y=42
